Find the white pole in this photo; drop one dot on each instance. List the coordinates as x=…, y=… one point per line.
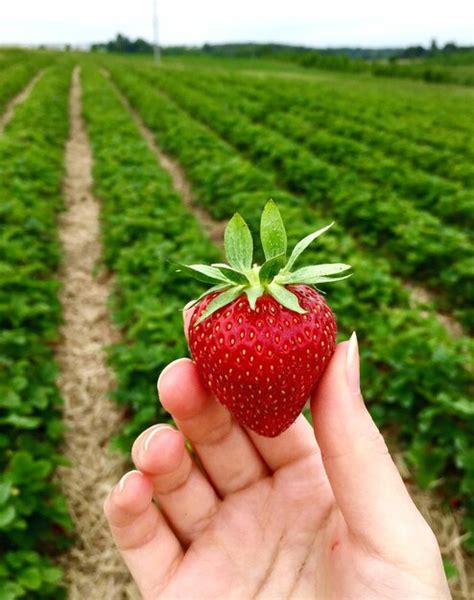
x=156, y=47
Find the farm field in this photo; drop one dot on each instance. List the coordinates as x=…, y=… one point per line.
x=110, y=167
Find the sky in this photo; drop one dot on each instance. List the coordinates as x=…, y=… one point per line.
x=368, y=23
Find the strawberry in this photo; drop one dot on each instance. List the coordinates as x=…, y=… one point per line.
x=261, y=337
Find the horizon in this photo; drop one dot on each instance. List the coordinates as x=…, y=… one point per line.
x=365, y=25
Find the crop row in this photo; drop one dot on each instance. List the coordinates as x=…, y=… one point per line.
x=145, y=227
x=446, y=199
x=418, y=245
x=34, y=521
x=409, y=359
x=359, y=116
x=14, y=78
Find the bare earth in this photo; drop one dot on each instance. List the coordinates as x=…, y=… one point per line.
x=94, y=570
x=14, y=102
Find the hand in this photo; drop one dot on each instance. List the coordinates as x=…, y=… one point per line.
x=252, y=517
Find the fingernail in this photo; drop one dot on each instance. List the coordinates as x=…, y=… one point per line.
x=352, y=365
x=152, y=433
x=121, y=484
x=172, y=364
x=188, y=305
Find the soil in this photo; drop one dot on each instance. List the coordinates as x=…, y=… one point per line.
x=420, y=295
x=93, y=568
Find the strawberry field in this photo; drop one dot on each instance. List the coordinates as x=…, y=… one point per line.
x=392, y=163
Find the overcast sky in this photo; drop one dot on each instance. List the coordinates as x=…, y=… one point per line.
x=314, y=23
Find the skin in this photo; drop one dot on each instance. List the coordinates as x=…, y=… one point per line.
x=317, y=513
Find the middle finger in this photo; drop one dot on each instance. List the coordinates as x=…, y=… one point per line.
x=226, y=452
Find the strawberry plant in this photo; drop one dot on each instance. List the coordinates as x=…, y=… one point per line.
x=14, y=77
x=34, y=522
x=416, y=242
x=412, y=368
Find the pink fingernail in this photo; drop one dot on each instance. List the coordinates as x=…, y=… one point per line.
x=168, y=367
x=352, y=365
x=121, y=484
x=152, y=433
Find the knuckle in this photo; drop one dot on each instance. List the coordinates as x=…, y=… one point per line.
x=215, y=433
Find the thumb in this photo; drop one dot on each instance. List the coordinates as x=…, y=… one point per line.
x=365, y=481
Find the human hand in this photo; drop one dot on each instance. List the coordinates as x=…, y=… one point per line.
x=288, y=517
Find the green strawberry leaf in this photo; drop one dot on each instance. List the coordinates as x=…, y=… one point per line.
x=215, y=288
x=285, y=297
x=238, y=243
x=313, y=274
x=331, y=279
x=203, y=273
x=272, y=231
x=232, y=274
x=221, y=300
x=303, y=244
x=253, y=294
x=270, y=268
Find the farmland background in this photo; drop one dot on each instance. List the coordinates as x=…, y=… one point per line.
x=110, y=166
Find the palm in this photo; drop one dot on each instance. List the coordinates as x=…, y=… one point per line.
x=288, y=527
x=278, y=521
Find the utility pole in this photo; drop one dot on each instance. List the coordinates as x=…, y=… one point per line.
x=156, y=47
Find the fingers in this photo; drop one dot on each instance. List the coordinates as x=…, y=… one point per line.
x=148, y=546
x=294, y=444
x=364, y=479
x=183, y=493
x=227, y=454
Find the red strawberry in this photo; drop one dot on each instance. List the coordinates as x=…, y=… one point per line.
x=262, y=337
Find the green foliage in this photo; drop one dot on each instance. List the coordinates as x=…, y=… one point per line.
x=414, y=372
x=145, y=228
x=14, y=75
x=417, y=243
x=34, y=522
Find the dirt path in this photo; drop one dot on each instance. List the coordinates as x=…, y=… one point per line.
x=420, y=295
x=93, y=568
x=18, y=99
x=213, y=229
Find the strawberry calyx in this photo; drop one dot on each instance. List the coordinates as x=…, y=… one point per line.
x=240, y=276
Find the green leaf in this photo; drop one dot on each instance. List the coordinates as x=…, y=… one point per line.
x=331, y=279
x=238, y=243
x=313, y=274
x=216, y=288
x=30, y=578
x=272, y=231
x=203, y=273
x=270, y=268
x=7, y=514
x=303, y=244
x=285, y=297
x=253, y=293
x=449, y=568
x=220, y=301
x=232, y=274
x=5, y=488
